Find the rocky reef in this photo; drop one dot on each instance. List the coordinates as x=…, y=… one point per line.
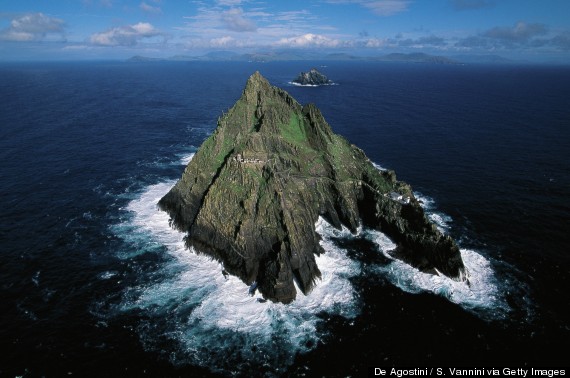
x=253, y=192
x=313, y=78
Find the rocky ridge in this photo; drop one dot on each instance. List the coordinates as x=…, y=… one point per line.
x=253, y=192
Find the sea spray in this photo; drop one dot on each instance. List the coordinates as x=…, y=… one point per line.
x=211, y=314
x=208, y=316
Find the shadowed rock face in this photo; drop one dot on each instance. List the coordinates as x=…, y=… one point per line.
x=251, y=195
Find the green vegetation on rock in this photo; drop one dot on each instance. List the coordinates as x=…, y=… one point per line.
x=253, y=192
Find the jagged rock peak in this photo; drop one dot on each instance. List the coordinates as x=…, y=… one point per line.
x=258, y=88
x=253, y=192
x=256, y=82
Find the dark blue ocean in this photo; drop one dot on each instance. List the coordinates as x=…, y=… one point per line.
x=93, y=282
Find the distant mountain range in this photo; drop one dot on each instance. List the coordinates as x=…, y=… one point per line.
x=305, y=55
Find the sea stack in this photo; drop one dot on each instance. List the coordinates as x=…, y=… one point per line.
x=253, y=192
x=312, y=78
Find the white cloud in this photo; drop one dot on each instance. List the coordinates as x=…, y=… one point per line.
x=102, y=3
x=421, y=42
x=292, y=15
x=225, y=41
x=461, y=5
x=521, y=32
x=522, y=35
x=212, y=26
x=76, y=47
x=149, y=8
x=374, y=43
x=128, y=35
x=309, y=40
x=234, y=20
x=387, y=7
x=33, y=27
x=380, y=7
x=229, y=3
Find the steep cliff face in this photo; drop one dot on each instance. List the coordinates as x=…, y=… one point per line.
x=251, y=195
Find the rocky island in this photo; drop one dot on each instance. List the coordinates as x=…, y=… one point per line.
x=253, y=192
x=312, y=78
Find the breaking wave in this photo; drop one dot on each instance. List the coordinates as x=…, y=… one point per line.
x=441, y=220
x=214, y=322
x=185, y=158
x=481, y=295
x=212, y=318
x=311, y=85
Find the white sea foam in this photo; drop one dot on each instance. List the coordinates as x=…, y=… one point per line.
x=221, y=308
x=481, y=295
x=378, y=166
x=36, y=278
x=211, y=317
x=441, y=220
x=311, y=85
x=106, y=275
x=185, y=158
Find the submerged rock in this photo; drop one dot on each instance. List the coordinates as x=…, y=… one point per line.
x=313, y=77
x=253, y=192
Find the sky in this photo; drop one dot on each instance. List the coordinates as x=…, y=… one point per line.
x=533, y=30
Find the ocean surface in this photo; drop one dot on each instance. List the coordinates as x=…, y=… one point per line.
x=94, y=282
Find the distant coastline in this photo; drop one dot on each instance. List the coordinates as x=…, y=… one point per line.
x=262, y=57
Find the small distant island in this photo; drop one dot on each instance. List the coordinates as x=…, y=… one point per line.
x=312, y=78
